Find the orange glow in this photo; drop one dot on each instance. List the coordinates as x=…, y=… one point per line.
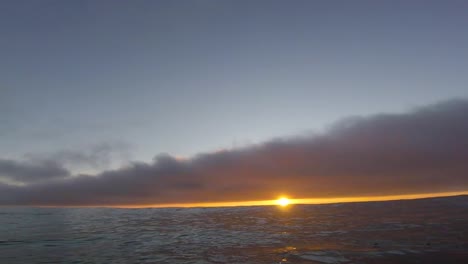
x=290, y=201
x=283, y=201
x=301, y=201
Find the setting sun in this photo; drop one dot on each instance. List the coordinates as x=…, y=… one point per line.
x=283, y=201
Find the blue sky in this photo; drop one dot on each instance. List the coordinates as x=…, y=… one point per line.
x=185, y=77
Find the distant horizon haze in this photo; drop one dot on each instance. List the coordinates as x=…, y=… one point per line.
x=380, y=155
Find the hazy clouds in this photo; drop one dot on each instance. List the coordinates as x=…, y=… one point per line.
x=97, y=156
x=30, y=172
x=425, y=150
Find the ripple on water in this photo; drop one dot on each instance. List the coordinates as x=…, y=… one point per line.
x=302, y=234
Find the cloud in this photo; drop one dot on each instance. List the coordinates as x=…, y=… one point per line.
x=31, y=172
x=97, y=156
x=424, y=150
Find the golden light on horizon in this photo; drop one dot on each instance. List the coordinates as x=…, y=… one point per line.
x=283, y=201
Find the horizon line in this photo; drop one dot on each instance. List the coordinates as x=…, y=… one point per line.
x=292, y=201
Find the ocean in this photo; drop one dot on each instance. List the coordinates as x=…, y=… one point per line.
x=414, y=231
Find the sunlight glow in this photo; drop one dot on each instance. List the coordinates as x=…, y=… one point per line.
x=286, y=201
x=283, y=201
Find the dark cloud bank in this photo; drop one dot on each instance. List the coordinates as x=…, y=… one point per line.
x=425, y=150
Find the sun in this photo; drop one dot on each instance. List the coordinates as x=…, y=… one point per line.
x=283, y=201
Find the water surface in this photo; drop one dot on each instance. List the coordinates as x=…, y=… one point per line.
x=377, y=232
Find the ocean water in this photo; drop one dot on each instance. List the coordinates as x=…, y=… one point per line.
x=342, y=233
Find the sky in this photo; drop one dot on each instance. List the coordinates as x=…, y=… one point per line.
x=192, y=97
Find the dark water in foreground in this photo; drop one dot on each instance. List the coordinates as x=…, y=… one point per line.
x=417, y=231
